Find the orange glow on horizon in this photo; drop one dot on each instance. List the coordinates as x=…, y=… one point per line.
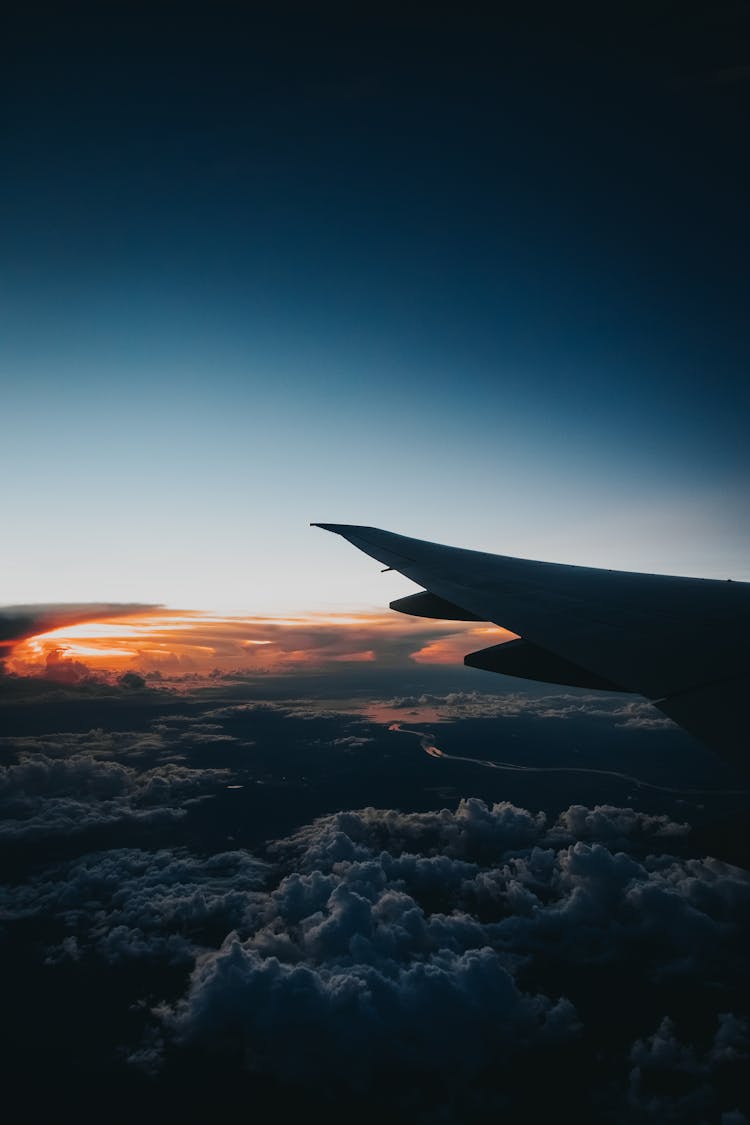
x=177, y=642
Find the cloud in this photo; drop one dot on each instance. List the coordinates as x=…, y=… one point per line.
x=428, y=707
x=459, y=705
x=400, y=940
x=69, y=643
x=462, y=947
x=68, y=816
x=128, y=904
x=615, y=826
x=42, y=798
x=452, y=648
x=456, y=1011
x=66, y=784
x=395, y=938
x=18, y=622
x=132, y=681
x=448, y=946
x=672, y=1081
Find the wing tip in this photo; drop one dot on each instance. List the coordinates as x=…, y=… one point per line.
x=338, y=528
x=349, y=529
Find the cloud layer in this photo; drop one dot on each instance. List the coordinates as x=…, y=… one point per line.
x=66, y=784
x=70, y=641
x=439, y=946
x=416, y=942
x=423, y=962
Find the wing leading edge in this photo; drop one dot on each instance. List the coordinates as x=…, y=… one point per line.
x=681, y=642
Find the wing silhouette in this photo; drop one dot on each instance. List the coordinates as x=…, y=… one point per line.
x=680, y=642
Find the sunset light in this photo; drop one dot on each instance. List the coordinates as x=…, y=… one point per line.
x=173, y=642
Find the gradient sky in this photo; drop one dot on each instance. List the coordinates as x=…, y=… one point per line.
x=484, y=283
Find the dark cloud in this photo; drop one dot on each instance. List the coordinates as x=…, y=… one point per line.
x=671, y=1081
x=410, y=939
x=18, y=622
x=473, y=831
x=615, y=827
x=127, y=903
x=446, y=955
x=442, y=944
x=63, y=678
x=553, y=705
x=158, y=795
x=65, y=784
x=350, y=1021
x=132, y=680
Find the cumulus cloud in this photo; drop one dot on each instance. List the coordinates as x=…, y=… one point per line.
x=555, y=705
x=451, y=946
x=615, y=826
x=68, y=783
x=391, y=928
x=672, y=1081
x=128, y=904
x=440, y=944
x=41, y=797
x=450, y=1010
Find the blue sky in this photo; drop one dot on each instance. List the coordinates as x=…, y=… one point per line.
x=250, y=283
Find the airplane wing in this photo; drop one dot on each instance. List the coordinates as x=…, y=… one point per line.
x=680, y=642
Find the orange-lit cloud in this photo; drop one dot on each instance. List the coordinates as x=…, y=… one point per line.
x=19, y=622
x=451, y=649
x=176, y=642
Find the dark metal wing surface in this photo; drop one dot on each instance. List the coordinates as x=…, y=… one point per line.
x=681, y=642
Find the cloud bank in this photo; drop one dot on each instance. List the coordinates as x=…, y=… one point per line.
x=425, y=963
x=66, y=784
x=436, y=948
x=416, y=943
x=68, y=641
